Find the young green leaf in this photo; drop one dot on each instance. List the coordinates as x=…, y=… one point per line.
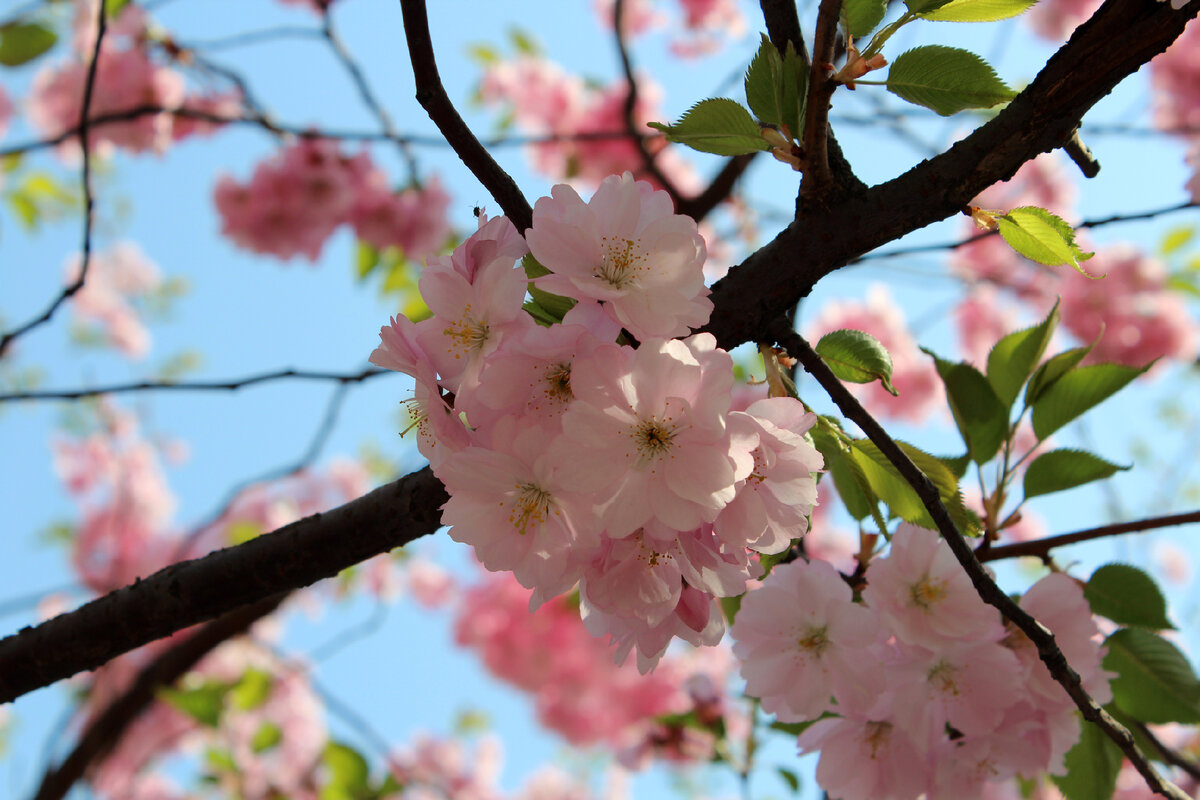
x=348, y=773
x=924, y=6
x=946, y=80
x=977, y=10
x=1059, y=470
x=202, y=703
x=252, y=690
x=1127, y=596
x=267, y=737
x=1050, y=372
x=763, y=84
x=793, y=91
x=1154, y=681
x=857, y=357
x=859, y=17
x=1092, y=767
x=851, y=484
x=980, y=416
x=1042, y=237
x=886, y=482
x=22, y=42
x=1076, y=392
x=366, y=259
x=1014, y=357
x=719, y=126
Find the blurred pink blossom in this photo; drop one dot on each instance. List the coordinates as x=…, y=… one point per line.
x=115, y=281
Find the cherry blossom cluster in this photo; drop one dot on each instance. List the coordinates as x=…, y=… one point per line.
x=933, y=694
x=573, y=459
x=586, y=124
x=116, y=281
x=128, y=77
x=298, y=197
x=578, y=690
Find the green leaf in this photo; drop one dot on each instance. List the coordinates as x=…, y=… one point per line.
x=980, y=416
x=252, y=690
x=1127, y=596
x=793, y=91
x=113, y=8
x=790, y=778
x=202, y=703
x=1076, y=392
x=1015, y=356
x=1176, y=238
x=886, y=482
x=857, y=357
x=848, y=480
x=859, y=17
x=1049, y=373
x=1092, y=767
x=21, y=42
x=266, y=737
x=946, y=80
x=1154, y=681
x=1059, y=470
x=25, y=209
x=719, y=126
x=366, y=259
x=348, y=773
x=978, y=10
x=924, y=6
x=731, y=606
x=1042, y=237
x=763, y=84
x=523, y=42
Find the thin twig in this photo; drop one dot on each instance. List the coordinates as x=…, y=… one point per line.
x=817, y=176
x=1042, y=547
x=431, y=94
x=1167, y=754
x=89, y=203
x=630, y=108
x=364, y=90
x=196, y=386
x=987, y=589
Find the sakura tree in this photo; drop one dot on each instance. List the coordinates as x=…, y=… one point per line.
x=645, y=394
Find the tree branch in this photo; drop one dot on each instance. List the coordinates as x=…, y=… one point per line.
x=818, y=179
x=432, y=97
x=196, y=386
x=1042, y=547
x=184, y=594
x=987, y=589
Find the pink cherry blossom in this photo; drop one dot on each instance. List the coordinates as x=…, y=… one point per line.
x=508, y=502
x=708, y=23
x=1135, y=316
x=913, y=374
x=1056, y=19
x=1175, y=77
x=413, y=220
x=125, y=80
x=6, y=111
x=624, y=247
x=652, y=422
x=771, y=508
x=294, y=201
x=802, y=642
x=866, y=759
x=115, y=281
x=924, y=595
x=638, y=16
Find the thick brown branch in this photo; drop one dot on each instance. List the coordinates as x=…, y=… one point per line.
x=191, y=592
x=433, y=98
x=105, y=730
x=1042, y=547
x=987, y=589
